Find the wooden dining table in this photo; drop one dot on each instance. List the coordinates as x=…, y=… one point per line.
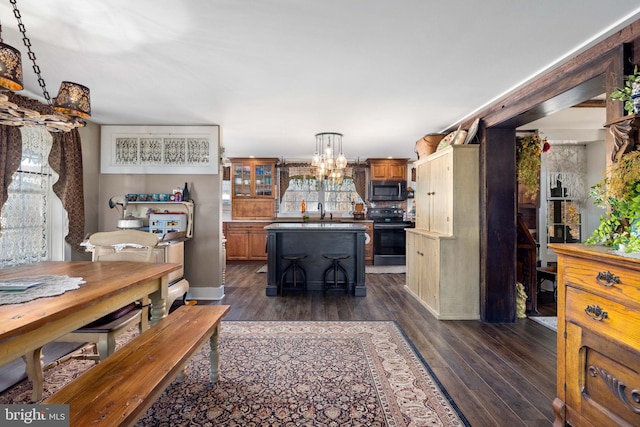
x=26, y=327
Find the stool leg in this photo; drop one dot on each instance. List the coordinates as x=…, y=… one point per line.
x=283, y=278
x=294, y=271
x=304, y=280
x=346, y=278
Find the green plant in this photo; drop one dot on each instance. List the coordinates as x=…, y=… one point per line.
x=623, y=94
x=619, y=193
x=528, y=161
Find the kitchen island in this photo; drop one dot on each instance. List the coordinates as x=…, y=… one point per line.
x=316, y=240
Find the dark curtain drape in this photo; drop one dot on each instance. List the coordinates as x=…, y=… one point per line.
x=360, y=181
x=66, y=159
x=10, y=158
x=284, y=181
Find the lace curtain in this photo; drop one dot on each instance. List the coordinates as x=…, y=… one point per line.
x=25, y=219
x=566, y=166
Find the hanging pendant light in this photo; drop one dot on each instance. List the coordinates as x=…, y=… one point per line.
x=326, y=166
x=73, y=99
x=67, y=110
x=10, y=66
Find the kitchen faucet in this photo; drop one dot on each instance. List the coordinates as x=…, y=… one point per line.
x=321, y=210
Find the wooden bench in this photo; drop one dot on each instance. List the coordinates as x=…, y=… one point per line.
x=120, y=389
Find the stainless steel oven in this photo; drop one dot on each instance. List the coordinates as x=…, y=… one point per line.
x=389, y=240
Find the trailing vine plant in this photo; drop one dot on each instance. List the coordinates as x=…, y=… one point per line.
x=624, y=94
x=619, y=193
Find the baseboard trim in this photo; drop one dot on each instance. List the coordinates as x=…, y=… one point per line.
x=212, y=294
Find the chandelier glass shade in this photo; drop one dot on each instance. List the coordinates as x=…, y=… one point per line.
x=65, y=113
x=325, y=162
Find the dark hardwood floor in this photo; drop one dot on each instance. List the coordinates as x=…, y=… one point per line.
x=498, y=374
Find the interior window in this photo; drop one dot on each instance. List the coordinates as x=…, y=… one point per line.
x=336, y=198
x=565, y=190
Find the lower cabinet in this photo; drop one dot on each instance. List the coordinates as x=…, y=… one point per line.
x=246, y=241
x=443, y=275
x=368, y=246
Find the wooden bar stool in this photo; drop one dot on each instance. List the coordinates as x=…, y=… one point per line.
x=295, y=268
x=336, y=269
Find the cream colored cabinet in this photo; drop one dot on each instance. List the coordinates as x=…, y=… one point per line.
x=434, y=210
x=414, y=263
x=443, y=270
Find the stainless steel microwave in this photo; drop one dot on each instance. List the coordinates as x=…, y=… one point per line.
x=380, y=191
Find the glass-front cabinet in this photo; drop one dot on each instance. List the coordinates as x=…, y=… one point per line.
x=251, y=179
x=253, y=188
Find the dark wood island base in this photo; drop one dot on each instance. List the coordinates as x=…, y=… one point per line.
x=315, y=240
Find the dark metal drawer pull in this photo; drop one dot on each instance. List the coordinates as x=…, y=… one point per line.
x=607, y=279
x=596, y=312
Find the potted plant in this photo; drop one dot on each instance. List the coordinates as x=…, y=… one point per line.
x=619, y=193
x=629, y=93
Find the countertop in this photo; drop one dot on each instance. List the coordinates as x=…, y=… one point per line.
x=296, y=220
x=315, y=226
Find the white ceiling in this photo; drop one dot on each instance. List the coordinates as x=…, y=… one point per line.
x=273, y=73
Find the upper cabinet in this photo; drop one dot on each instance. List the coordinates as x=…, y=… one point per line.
x=253, y=188
x=388, y=169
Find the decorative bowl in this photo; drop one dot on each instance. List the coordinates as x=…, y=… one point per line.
x=144, y=197
x=131, y=197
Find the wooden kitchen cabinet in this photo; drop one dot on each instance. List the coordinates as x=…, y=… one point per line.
x=388, y=169
x=246, y=241
x=253, y=188
x=443, y=270
x=368, y=247
x=598, y=368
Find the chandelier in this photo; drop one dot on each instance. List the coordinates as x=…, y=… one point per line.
x=63, y=114
x=325, y=164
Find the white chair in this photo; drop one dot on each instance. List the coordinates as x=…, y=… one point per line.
x=120, y=245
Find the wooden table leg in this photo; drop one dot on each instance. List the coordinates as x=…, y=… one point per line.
x=159, y=302
x=214, y=357
x=35, y=373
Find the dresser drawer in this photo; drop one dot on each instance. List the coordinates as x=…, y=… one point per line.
x=608, y=280
x=602, y=387
x=604, y=317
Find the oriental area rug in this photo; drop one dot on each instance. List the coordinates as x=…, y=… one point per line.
x=295, y=373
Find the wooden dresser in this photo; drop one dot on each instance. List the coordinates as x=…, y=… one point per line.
x=598, y=380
